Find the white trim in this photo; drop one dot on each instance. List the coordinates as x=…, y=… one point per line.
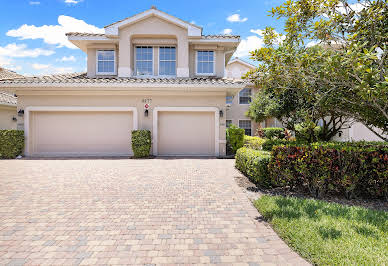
x=186, y=109
x=114, y=63
x=214, y=63
x=214, y=40
x=239, y=96
x=29, y=109
x=244, y=120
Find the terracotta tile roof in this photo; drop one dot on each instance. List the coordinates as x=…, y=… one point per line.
x=82, y=78
x=220, y=36
x=7, y=99
x=8, y=74
x=85, y=34
x=213, y=36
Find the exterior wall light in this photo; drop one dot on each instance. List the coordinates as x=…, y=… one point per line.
x=146, y=113
x=221, y=113
x=21, y=112
x=14, y=119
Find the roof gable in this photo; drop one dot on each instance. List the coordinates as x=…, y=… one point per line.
x=241, y=62
x=113, y=29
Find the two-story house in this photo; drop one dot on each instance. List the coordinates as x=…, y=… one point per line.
x=149, y=71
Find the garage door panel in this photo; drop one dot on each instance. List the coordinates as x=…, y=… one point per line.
x=89, y=133
x=186, y=133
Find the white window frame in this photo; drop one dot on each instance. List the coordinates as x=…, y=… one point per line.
x=114, y=63
x=152, y=65
x=244, y=128
x=239, y=97
x=214, y=63
x=171, y=46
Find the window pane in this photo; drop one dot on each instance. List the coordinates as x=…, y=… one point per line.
x=205, y=62
x=245, y=96
x=228, y=123
x=167, y=63
x=229, y=99
x=246, y=125
x=144, y=60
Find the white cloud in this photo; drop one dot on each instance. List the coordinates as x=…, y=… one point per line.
x=72, y=1
x=227, y=31
x=40, y=66
x=356, y=7
x=311, y=43
x=21, y=50
x=67, y=59
x=14, y=68
x=54, y=34
x=34, y=3
x=247, y=45
x=236, y=18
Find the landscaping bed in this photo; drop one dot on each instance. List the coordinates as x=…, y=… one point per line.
x=328, y=233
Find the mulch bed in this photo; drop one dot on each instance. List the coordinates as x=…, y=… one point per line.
x=253, y=192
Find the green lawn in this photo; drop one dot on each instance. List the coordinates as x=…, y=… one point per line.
x=327, y=233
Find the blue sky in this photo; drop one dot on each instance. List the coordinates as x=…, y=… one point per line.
x=32, y=37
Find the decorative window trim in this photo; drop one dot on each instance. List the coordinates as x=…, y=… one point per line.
x=245, y=128
x=163, y=46
x=214, y=63
x=152, y=65
x=114, y=63
x=239, y=97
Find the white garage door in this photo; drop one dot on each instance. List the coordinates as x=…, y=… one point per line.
x=186, y=133
x=80, y=133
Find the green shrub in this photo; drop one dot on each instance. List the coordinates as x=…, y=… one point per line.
x=307, y=132
x=349, y=169
x=141, y=143
x=270, y=143
x=11, y=143
x=235, y=138
x=253, y=142
x=254, y=164
x=272, y=132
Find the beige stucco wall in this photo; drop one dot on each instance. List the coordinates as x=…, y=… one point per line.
x=122, y=99
x=154, y=28
x=155, y=31
x=6, y=115
x=358, y=132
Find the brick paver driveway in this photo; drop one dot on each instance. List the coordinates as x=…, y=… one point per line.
x=158, y=211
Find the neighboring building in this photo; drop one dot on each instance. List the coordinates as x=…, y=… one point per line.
x=151, y=60
x=8, y=117
x=238, y=105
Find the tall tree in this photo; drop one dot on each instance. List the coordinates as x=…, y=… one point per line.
x=332, y=63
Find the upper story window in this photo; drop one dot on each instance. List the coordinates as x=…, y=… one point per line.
x=106, y=62
x=167, y=61
x=245, y=96
x=229, y=99
x=144, y=62
x=205, y=63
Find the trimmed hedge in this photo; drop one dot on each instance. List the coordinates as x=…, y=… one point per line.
x=255, y=143
x=254, y=164
x=349, y=169
x=270, y=143
x=234, y=138
x=141, y=143
x=272, y=132
x=11, y=143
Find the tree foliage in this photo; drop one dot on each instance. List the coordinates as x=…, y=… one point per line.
x=329, y=68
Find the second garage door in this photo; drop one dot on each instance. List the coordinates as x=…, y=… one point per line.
x=186, y=133
x=81, y=133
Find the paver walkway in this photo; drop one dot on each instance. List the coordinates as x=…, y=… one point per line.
x=158, y=211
